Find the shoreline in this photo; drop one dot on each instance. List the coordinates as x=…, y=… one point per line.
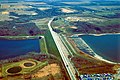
x=103, y=59
x=19, y=37
x=77, y=35
x=99, y=57
x=94, y=54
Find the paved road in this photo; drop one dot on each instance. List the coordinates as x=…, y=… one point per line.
x=63, y=52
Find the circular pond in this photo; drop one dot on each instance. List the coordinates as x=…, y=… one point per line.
x=28, y=64
x=14, y=69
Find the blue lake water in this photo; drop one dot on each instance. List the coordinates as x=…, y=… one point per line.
x=12, y=48
x=107, y=46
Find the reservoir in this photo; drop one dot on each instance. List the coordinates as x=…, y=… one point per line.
x=13, y=48
x=107, y=46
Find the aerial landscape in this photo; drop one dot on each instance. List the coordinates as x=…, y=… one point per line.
x=59, y=39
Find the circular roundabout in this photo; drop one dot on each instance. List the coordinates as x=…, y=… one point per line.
x=14, y=70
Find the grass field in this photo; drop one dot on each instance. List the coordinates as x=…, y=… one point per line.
x=52, y=49
x=43, y=46
x=38, y=65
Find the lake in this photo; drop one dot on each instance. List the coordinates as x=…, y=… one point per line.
x=13, y=48
x=107, y=46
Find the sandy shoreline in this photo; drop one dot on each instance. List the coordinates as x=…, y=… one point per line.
x=95, y=54
x=99, y=34
x=101, y=58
